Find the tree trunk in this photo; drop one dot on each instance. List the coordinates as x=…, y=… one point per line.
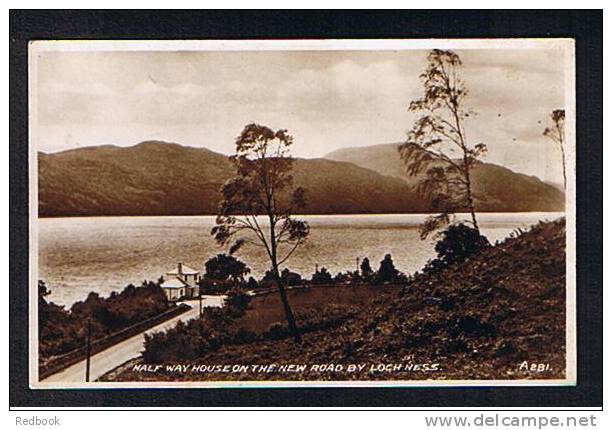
x=470, y=197
x=563, y=161
x=466, y=167
x=281, y=288
x=472, y=208
x=293, y=329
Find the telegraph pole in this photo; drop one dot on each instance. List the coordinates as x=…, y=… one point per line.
x=88, y=361
x=200, y=304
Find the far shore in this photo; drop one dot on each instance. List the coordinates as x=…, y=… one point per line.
x=561, y=213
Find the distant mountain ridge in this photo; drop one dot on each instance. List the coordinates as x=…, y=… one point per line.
x=160, y=178
x=496, y=188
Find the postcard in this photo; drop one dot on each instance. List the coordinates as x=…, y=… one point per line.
x=290, y=213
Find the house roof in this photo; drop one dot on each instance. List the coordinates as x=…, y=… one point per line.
x=174, y=283
x=185, y=270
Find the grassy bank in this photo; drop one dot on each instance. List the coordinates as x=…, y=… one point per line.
x=266, y=310
x=480, y=319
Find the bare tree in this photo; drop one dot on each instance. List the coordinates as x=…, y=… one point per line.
x=260, y=201
x=437, y=149
x=557, y=134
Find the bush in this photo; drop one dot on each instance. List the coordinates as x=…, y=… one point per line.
x=276, y=331
x=343, y=278
x=242, y=336
x=224, y=267
x=458, y=243
x=311, y=320
x=366, y=269
x=252, y=284
x=291, y=278
x=322, y=319
x=387, y=271
x=61, y=331
x=287, y=277
x=321, y=277
x=195, y=338
x=182, y=342
x=217, y=328
x=237, y=301
x=215, y=287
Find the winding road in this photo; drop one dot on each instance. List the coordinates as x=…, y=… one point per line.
x=106, y=360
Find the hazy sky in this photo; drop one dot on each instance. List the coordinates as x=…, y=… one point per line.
x=326, y=99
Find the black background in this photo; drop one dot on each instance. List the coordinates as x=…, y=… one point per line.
x=586, y=27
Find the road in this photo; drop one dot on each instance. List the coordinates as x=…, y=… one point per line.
x=118, y=354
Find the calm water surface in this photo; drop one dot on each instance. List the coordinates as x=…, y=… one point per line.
x=103, y=254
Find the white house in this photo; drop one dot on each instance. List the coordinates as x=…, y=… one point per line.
x=181, y=283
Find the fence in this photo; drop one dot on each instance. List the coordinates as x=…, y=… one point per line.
x=61, y=362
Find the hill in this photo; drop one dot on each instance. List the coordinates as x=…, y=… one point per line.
x=497, y=188
x=159, y=178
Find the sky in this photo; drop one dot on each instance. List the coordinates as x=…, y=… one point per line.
x=327, y=99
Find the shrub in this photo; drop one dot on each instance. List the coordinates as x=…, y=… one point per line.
x=312, y=320
x=321, y=277
x=195, y=338
x=224, y=267
x=61, y=331
x=290, y=278
x=187, y=341
x=366, y=269
x=322, y=319
x=243, y=335
x=343, y=278
x=276, y=331
x=252, y=284
x=237, y=301
x=217, y=327
x=213, y=286
x=182, y=342
x=458, y=243
x=387, y=271
x=287, y=276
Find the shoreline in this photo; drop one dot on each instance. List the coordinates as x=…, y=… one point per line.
x=489, y=221
x=355, y=214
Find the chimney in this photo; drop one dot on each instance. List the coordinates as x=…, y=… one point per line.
x=180, y=269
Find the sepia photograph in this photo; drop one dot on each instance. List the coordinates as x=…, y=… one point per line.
x=287, y=213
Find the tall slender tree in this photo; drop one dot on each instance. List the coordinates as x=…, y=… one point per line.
x=437, y=149
x=260, y=201
x=556, y=133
